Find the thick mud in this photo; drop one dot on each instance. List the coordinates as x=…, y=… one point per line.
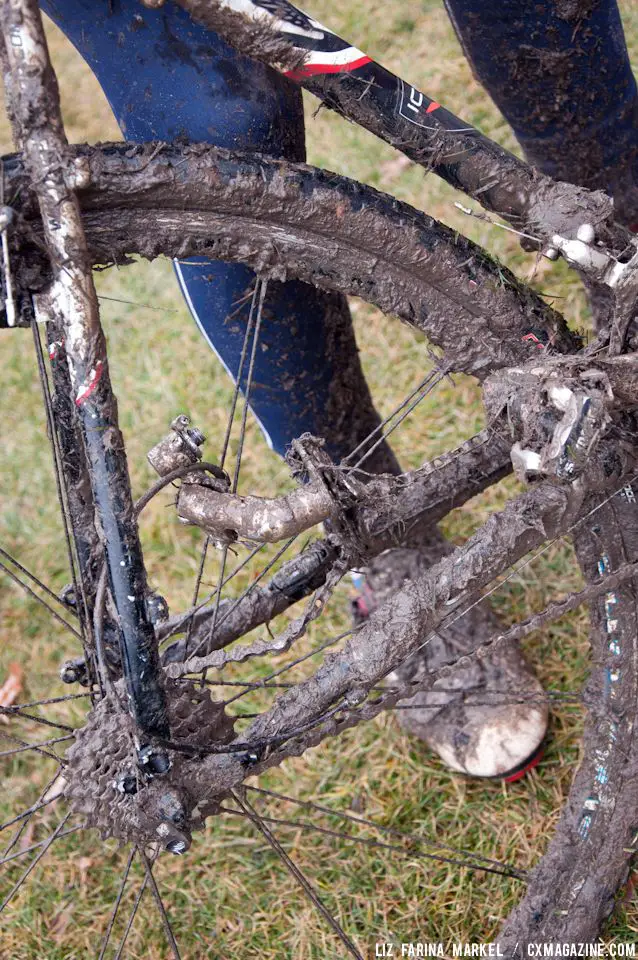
x=573, y=889
x=291, y=220
x=575, y=95
x=485, y=171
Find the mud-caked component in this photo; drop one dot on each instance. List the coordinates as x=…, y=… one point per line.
x=179, y=448
x=556, y=420
x=157, y=608
x=68, y=598
x=114, y=793
x=126, y=782
x=75, y=671
x=306, y=572
x=152, y=761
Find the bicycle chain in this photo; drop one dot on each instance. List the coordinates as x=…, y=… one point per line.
x=368, y=710
x=358, y=712
x=444, y=459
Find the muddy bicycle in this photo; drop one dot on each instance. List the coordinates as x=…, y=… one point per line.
x=158, y=751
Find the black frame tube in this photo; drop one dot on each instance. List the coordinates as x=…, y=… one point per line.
x=70, y=304
x=366, y=93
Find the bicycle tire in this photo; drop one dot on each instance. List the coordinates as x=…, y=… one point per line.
x=158, y=199
x=413, y=266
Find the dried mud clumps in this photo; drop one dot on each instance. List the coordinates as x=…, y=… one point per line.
x=257, y=40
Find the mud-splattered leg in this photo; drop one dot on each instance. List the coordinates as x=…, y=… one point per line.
x=167, y=78
x=560, y=74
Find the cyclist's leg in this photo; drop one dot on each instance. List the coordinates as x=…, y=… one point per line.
x=560, y=74
x=166, y=78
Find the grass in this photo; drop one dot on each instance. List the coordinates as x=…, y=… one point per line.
x=231, y=897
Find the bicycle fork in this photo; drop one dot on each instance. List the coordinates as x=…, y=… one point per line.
x=70, y=305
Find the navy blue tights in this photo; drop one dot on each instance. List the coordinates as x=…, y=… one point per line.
x=559, y=72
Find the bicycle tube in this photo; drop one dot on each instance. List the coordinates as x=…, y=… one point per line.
x=71, y=302
x=469, y=305
x=363, y=91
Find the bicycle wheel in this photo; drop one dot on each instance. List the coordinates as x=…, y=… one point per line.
x=279, y=218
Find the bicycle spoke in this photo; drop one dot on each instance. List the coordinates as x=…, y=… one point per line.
x=240, y=370
x=40, y=843
x=248, y=590
x=17, y=712
x=505, y=871
x=499, y=700
x=32, y=746
x=25, y=745
x=550, y=696
x=31, y=593
x=218, y=597
x=258, y=298
x=257, y=685
x=289, y=666
x=175, y=624
x=59, y=477
x=222, y=461
x=160, y=906
x=132, y=303
x=116, y=905
x=412, y=406
x=291, y=866
x=32, y=577
x=198, y=582
x=34, y=863
x=523, y=564
x=386, y=420
x=218, y=590
x=29, y=812
x=44, y=795
x=469, y=693
x=132, y=915
x=49, y=700
x=262, y=285
x=391, y=831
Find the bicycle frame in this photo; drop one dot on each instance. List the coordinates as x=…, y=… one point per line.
x=337, y=695
x=70, y=307
x=346, y=80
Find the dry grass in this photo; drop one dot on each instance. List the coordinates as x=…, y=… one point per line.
x=230, y=897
